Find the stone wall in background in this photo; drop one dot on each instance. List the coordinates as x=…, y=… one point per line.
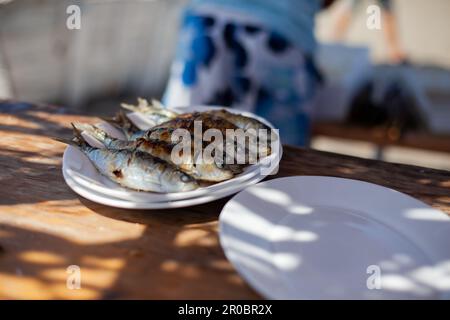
x=122, y=46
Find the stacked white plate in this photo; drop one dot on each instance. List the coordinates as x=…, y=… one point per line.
x=82, y=177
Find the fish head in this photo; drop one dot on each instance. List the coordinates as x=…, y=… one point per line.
x=178, y=181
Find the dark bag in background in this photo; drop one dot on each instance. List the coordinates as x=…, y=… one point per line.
x=386, y=101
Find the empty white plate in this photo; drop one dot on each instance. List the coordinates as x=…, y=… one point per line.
x=88, y=182
x=331, y=238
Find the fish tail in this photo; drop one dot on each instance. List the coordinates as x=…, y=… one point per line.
x=78, y=137
x=78, y=140
x=76, y=131
x=144, y=106
x=94, y=131
x=120, y=120
x=84, y=127
x=129, y=107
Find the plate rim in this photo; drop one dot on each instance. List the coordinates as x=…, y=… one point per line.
x=125, y=204
x=271, y=293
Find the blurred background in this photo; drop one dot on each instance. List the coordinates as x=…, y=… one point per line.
x=370, y=106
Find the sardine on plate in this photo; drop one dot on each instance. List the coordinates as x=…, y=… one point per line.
x=188, y=121
x=238, y=120
x=157, y=108
x=135, y=169
x=162, y=150
x=230, y=148
x=218, y=118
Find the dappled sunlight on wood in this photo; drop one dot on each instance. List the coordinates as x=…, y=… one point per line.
x=67, y=219
x=170, y=266
x=13, y=121
x=20, y=287
x=38, y=273
x=222, y=265
x=195, y=236
x=235, y=279
x=143, y=254
x=103, y=263
x=94, y=278
x=445, y=184
x=425, y=181
x=48, y=161
x=444, y=201
x=350, y=171
x=41, y=257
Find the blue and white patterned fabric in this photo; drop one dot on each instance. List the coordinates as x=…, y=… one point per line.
x=293, y=18
x=226, y=58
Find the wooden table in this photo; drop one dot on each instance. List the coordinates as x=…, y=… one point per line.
x=45, y=227
x=383, y=136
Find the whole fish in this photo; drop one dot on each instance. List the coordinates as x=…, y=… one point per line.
x=187, y=121
x=239, y=120
x=162, y=150
x=214, y=119
x=135, y=169
x=210, y=118
x=157, y=108
x=230, y=149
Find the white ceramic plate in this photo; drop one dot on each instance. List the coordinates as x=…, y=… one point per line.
x=130, y=204
x=331, y=238
x=78, y=167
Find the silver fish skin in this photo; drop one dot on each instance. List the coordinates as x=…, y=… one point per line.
x=240, y=121
x=157, y=108
x=101, y=135
x=162, y=150
x=247, y=123
x=140, y=171
x=218, y=118
x=136, y=170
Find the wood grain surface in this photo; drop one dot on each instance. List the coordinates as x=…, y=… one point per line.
x=125, y=254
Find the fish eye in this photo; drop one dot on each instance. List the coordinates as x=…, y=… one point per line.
x=185, y=178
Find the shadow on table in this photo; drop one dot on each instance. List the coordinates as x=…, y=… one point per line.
x=177, y=255
x=190, y=262
x=33, y=261
x=29, y=159
x=33, y=119
x=28, y=177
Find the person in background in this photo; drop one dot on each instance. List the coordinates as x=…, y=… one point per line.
x=255, y=55
x=395, y=51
